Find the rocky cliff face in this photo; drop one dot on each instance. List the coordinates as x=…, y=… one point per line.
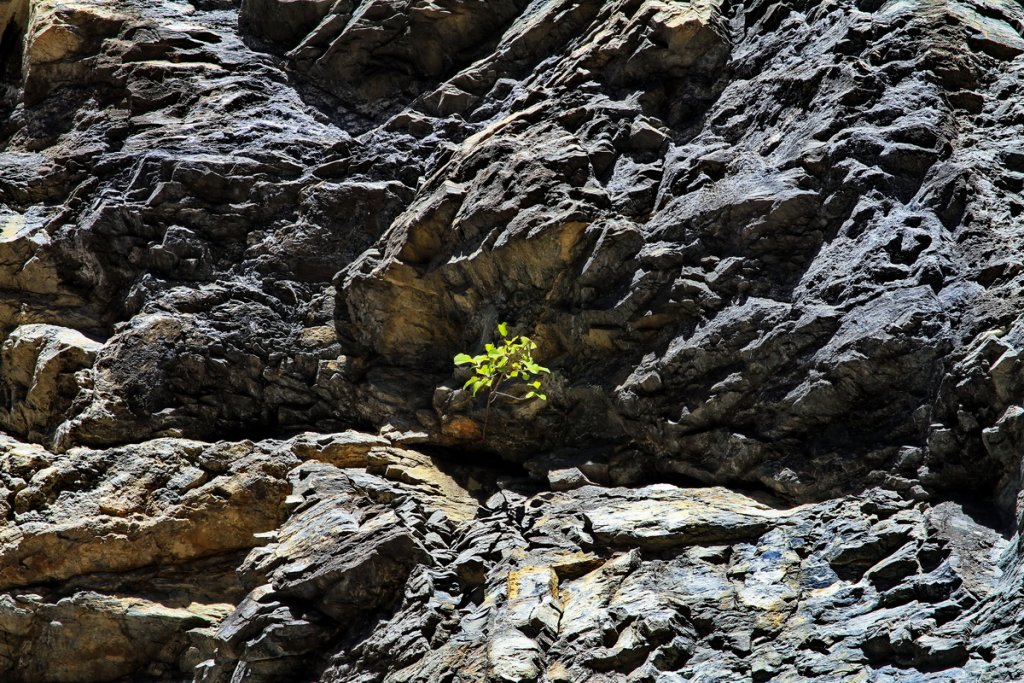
x=770, y=251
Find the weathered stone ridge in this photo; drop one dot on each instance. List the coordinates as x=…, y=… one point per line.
x=747, y=237
x=394, y=565
x=770, y=250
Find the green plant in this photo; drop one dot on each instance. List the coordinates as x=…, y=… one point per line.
x=510, y=359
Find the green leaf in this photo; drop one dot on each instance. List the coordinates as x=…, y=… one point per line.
x=510, y=358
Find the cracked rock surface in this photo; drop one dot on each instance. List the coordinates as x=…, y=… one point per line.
x=770, y=250
x=372, y=562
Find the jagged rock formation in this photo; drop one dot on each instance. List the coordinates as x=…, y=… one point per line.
x=770, y=246
x=394, y=565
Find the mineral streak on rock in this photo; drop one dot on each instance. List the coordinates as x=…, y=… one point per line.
x=770, y=250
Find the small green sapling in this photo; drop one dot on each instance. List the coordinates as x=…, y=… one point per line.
x=510, y=359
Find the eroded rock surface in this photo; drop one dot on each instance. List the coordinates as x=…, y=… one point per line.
x=770, y=250
x=751, y=238
x=390, y=564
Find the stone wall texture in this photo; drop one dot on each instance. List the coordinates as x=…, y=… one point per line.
x=773, y=253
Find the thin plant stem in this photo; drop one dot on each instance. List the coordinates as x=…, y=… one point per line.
x=492, y=394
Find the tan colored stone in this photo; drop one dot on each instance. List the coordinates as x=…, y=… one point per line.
x=39, y=366
x=665, y=515
x=139, y=513
x=24, y=264
x=13, y=11
x=513, y=658
x=59, y=40
x=91, y=637
x=56, y=30
x=421, y=473
x=348, y=449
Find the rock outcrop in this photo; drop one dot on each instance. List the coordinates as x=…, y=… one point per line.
x=372, y=562
x=770, y=251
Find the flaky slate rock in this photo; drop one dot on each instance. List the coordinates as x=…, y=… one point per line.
x=377, y=563
x=746, y=238
x=766, y=246
x=538, y=588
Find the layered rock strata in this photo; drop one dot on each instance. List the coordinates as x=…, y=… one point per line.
x=767, y=246
x=752, y=239
x=372, y=562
